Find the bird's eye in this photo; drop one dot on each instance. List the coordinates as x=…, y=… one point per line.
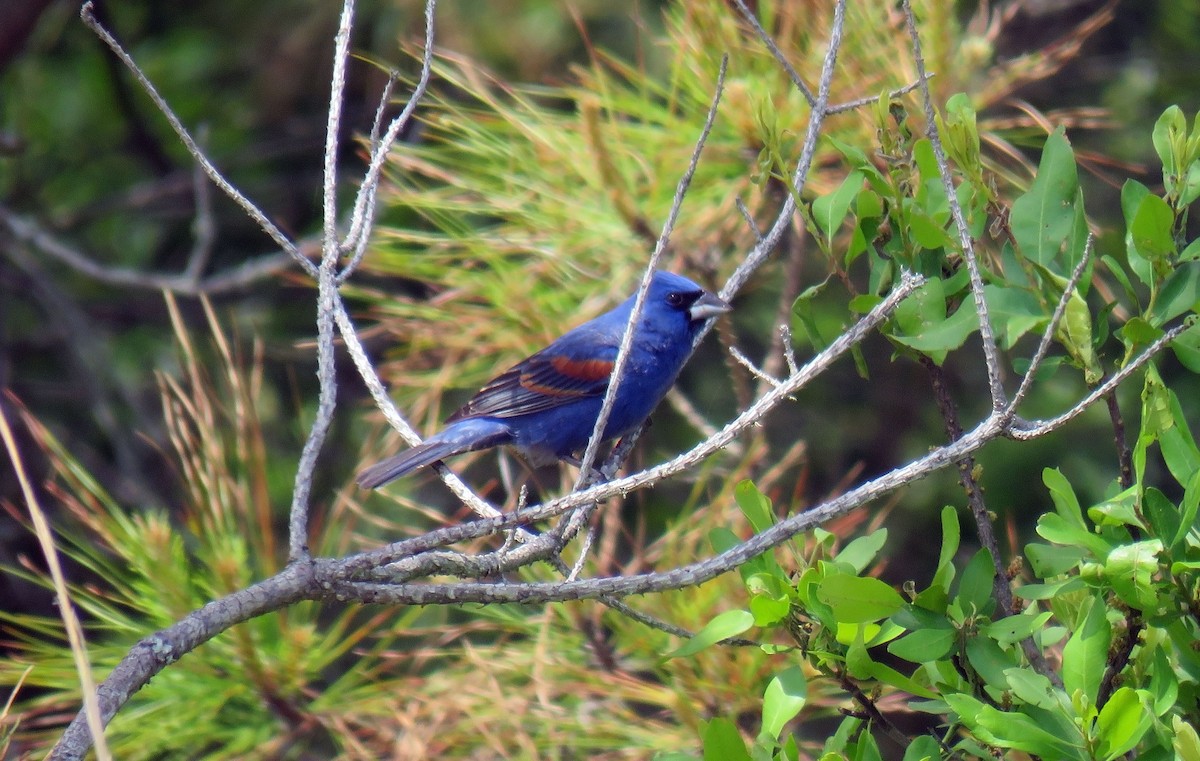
x=675, y=299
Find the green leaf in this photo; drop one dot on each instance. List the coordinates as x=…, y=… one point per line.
x=1065, y=502
x=1151, y=230
x=946, y=335
x=830, y=210
x=1032, y=688
x=1132, y=195
x=968, y=709
x=975, y=588
x=1049, y=590
x=728, y=624
x=1074, y=332
x=1086, y=653
x=932, y=599
x=924, y=645
x=865, y=748
x=1130, y=569
x=1179, y=293
x=1187, y=348
x=1122, y=722
x=1010, y=729
x=755, y=506
x=926, y=231
x=1043, y=218
x=990, y=661
x=1048, y=560
x=891, y=676
x=768, y=609
x=950, y=539
x=1164, y=135
x=1014, y=312
x=924, y=308
x=1118, y=510
x=913, y=618
x=785, y=696
x=1056, y=528
x=1164, y=685
x=1178, y=447
x=855, y=599
x=1162, y=515
x=1137, y=332
x=923, y=748
x=961, y=133
x=1186, y=742
x=1191, y=501
x=1118, y=272
x=1016, y=627
x=723, y=741
x=859, y=553
x=1189, y=189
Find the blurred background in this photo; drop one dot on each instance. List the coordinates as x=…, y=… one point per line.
x=468, y=274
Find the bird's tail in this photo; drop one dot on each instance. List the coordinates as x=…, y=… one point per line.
x=463, y=436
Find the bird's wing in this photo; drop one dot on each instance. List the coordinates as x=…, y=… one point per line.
x=569, y=369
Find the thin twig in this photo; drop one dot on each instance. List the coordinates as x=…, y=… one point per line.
x=396, y=420
x=204, y=226
x=780, y=352
x=327, y=303
x=745, y=362
x=767, y=243
x=1032, y=429
x=610, y=394
x=1001, y=588
x=1119, y=656
x=1060, y=310
x=385, y=98
x=248, y=273
x=270, y=228
x=1124, y=455
x=850, y=105
x=750, y=223
x=780, y=58
x=363, y=216
x=991, y=351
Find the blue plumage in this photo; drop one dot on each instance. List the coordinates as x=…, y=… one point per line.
x=547, y=405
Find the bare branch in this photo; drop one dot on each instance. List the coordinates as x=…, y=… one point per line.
x=214, y=174
x=783, y=220
x=850, y=105
x=991, y=352
x=1055, y=320
x=392, y=415
x=783, y=61
x=29, y=232
x=204, y=227
x=384, y=99
x=610, y=394
x=363, y=216
x=327, y=302
x=752, y=368
x=1032, y=429
x=746, y=215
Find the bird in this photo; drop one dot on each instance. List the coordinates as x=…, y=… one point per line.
x=546, y=405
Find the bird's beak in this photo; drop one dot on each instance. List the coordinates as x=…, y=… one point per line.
x=707, y=306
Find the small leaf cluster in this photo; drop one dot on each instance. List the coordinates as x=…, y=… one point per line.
x=1097, y=657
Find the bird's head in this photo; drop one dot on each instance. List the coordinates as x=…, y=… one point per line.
x=672, y=296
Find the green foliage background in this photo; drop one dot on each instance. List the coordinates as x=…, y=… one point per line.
x=526, y=203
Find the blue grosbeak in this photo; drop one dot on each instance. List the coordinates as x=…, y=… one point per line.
x=547, y=405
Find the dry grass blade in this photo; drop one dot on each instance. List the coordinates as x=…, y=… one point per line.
x=91, y=702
